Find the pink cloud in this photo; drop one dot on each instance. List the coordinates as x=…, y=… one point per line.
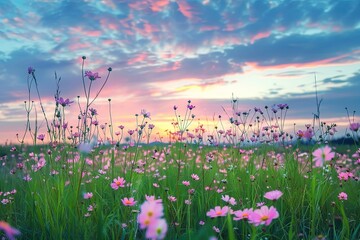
x=159, y=5
x=338, y=60
x=260, y=35
x=138, y=58
x=185, y=9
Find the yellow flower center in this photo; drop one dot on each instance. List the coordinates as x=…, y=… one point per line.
x=264, y=218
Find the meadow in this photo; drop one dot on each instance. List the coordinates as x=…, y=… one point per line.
x=246, y=179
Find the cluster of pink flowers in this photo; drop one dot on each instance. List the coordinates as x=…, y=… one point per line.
x=150, y=218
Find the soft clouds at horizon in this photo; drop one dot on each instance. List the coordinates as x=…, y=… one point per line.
x=165, y=52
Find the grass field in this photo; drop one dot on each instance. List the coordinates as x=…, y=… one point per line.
x=62, y=193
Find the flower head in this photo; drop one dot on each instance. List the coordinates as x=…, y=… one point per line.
x=273, y=195
x=118, y=182
x=41, y=137
x=218, y=212
x=243, y=214
x=145, y=113
x=150, y=212
x=128, y=201
x=321, y=155
x=92, y=76
x=157, y=230
x=88, y=195
x=264, y=215
x=354, y=127
x=31, y=70
x=342, y=196
x=64, y=102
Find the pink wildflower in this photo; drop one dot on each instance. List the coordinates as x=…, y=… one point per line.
x=157, y=230
x=128, y=201
x=195, y=177
x=10, y=232
x=273, y=195
x=186, y=183
x=118, y=182
x=354, y=127
x=172, y=198
x=229, y=199
x=88, y=195
x=342, y=196
x=41, y=137
x=321, y=155
x=264, y=215
x=243, y=214
x=92, y=76
x=218, y=212
x=149, y=213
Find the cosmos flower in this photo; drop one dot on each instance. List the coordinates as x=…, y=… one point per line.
x=92, y=76
x=273, y=195
x=321, y=155
x=342, y=196
x=218, y=212
x=264, y=215
x=118, y=182
x=128, y=201
x=243, y=214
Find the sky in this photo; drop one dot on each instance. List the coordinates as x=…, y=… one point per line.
x=165, y=52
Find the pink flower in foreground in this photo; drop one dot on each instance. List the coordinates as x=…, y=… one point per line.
x=354, y=127
x=243, y=214
x=218, y=212
x=150, y=211
x=264, y=215
x=321, y=155
x=88, y=195
x=128, y=201
x=273, y=195
x=10, y=232
x=157, y=230
x=342, y=196
x=118, y=182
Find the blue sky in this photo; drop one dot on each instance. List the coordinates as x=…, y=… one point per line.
x=165, y=52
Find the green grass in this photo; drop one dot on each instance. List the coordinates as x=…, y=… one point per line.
x=52, y=206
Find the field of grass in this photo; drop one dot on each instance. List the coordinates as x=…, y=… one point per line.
x=59, y=192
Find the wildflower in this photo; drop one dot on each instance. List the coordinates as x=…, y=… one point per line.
x=172, y=198
x=273, y=195
x=31, y=70
x=187, y=202
x=186, y=183
x=157, y=230
x=118, y=182
x=190, y=107
x=342, y=196
x=64, y=102
x=10, y=232
x=195, y=177
x=321, y=155
x=149, y=213
x=41, y=137
x=145, y=113
x=88, y=195
x=354, y=127
x=243, y=214
x=216, y=229
x=201, y=223
x=128, y=201
x=218, y=212
x=90, y=208
x=151, y=126
x=344, y=176
x=260, y=204
x=264, y=215
x=92, y=76
x=229, y=199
